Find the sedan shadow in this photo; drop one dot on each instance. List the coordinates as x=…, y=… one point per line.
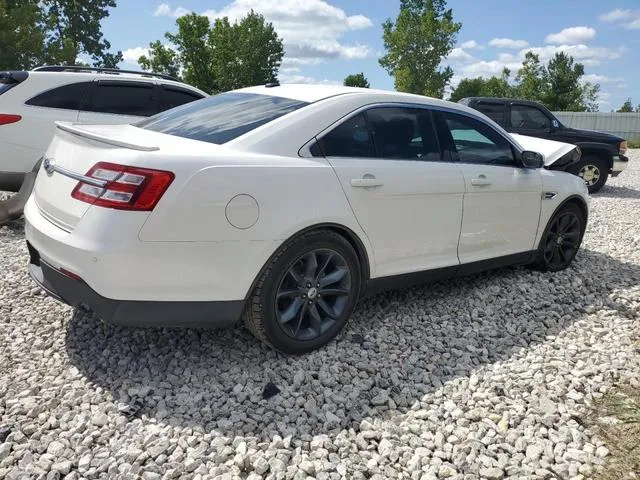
x=398, y=347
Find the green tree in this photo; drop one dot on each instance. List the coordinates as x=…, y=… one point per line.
x=530, y=81
x=356, y=80
x=21, y=38
x=563, y=90
x=219, y=57
x=53, y=32
x=422, y=35
x=626, y=107
x=483, y=87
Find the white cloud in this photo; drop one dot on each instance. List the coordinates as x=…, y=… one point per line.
x=507, y=57
x=458, y=55
x=487, y=68
x=635, y=25
x=285, y=78
x=629, y=19
x=571, y=35
x=471, y=44
x=508, y=43
x=290, y=70
x=615, y=15
x=131, y=55
x=164, y=10
x=588, y=56
x=604, y=98
x=595, y=78
x=311, y=29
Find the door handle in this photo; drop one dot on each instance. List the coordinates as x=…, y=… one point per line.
x=481, y=181
x=366, y=182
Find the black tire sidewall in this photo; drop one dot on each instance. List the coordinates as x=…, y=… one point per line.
x=540, y=261
x=600, y=164
x=274, y=333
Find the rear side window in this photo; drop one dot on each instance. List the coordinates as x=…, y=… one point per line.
x=174, y=97
x=67, y=97
x=495, y=111
x=349, y=139
x=133, y=98
x=221, y=118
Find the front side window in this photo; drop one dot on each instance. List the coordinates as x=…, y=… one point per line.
x=67, y=97
x=476, y=142
x=134, y=99
x=403, y=133
x=529, y=118
x=349, y=139
x=221, y=118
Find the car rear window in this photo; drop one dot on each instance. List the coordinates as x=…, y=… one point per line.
x=221, y=118
x=66, y=97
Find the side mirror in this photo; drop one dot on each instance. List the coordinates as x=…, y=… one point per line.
x=532, y=159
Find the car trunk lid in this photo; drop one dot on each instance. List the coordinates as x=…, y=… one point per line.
x=72, y=153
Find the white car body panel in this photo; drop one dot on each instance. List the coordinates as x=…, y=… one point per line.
x=425, y=215
x=550, y=149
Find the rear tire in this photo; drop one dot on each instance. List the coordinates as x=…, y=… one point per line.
x=593, y=170
x=561, y=239
x=306, y=293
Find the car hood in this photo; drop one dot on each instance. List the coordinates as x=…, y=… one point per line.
x=579, y=135
x=554, y=153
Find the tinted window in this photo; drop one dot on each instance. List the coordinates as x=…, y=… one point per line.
x=123, y=99
x=349, y=139
x=403, y=133
x=476, y=142
x=68, y=97
x=530, y=118
x=221, y=118
x=495, y=111
x=174, y=97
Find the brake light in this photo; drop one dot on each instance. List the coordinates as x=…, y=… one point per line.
x=6, y=118
x=126, y=188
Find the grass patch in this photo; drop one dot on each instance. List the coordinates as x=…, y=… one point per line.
x=615, y=418
x=633, y=143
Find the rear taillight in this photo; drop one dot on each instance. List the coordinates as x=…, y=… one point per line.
x=126, y=188
x=7, y=118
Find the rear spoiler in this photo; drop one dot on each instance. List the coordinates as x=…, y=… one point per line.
x=79, y=131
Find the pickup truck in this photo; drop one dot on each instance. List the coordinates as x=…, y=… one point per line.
x=602, y=154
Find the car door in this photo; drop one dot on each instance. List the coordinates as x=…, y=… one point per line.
x=120, y=101
x=406, y=199
x=502, y=200
x=529, y=120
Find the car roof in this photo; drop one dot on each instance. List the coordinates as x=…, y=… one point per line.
x=74, y=76
x=502, y=100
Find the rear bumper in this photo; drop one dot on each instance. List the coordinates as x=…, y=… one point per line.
x=620, y=163
x=75, y=292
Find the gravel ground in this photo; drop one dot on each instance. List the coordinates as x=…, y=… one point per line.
x=479, y=377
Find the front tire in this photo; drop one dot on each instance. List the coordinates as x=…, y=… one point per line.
x=593, y=170
x=561, y=239
x=306, y=293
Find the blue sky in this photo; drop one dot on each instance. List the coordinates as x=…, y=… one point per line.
x=327, y=39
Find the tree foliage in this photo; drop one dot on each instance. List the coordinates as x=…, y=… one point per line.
x=626, y=107
x=356, y=80
x=219, y=57
x=558, y=85
x=483, y=87
x=422, y=35
x=36, y=32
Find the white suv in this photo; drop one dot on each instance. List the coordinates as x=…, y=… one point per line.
x=30, y=103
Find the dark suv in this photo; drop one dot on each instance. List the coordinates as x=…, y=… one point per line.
x=602, y=153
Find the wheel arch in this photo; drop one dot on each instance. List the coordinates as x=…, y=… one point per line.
x=597, y=150
x=577, y=200
x=347, y=233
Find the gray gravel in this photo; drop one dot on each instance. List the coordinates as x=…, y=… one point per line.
x=479, y=377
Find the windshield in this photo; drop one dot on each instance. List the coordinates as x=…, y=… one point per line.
x=221, y=118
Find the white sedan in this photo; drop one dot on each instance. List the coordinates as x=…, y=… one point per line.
x=283, y=205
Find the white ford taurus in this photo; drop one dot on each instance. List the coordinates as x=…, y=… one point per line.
x=282, y=205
